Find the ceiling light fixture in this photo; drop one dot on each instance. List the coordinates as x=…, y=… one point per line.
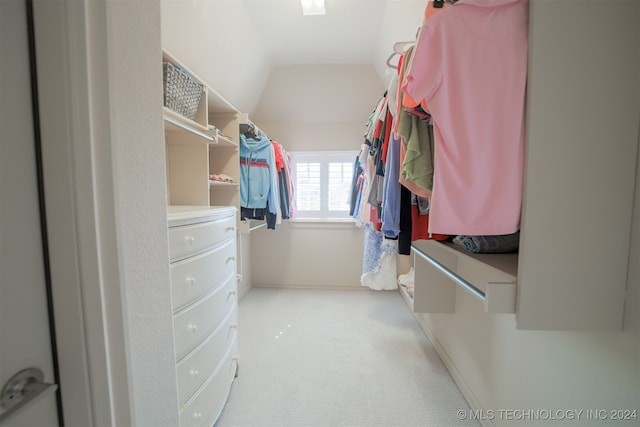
x=313, y=7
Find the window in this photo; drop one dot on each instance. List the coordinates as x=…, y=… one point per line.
x=323, y=181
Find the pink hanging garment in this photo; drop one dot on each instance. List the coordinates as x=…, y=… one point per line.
x=470, y=66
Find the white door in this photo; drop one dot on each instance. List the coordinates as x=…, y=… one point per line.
x=25, y=340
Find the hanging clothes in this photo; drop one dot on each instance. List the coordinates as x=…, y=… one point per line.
x=284, y=187
x=391, y=199
x=356, y=183
x=470, y=66
x=417, y=162
x=379, y=261
x=258, y=180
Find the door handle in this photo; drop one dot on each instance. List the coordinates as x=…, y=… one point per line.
x=22, y=388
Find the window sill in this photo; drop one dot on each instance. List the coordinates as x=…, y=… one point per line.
x=322, y=224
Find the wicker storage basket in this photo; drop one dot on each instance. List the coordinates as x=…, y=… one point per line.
x=181, y=92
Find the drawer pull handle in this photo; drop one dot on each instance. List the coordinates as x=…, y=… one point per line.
x=231, y=258
x=190, y=280
x=233, y=326
x=197, y=415
x=230, y=295
x=189, y=240
x=194, y=372
x=192, y=327
x=230, y=229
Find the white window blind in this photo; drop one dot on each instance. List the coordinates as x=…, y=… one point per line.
x=323, y=181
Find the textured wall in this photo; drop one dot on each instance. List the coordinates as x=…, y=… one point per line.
x=140, y=212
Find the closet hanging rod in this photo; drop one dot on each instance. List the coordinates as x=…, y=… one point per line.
x=255, y=227
x=188, y=128
x=451, y=275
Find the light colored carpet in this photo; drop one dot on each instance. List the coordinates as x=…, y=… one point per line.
x=337, y=358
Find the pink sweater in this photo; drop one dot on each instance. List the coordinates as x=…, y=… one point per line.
x=470, y=65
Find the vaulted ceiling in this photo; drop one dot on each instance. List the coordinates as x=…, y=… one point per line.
x=233, y=44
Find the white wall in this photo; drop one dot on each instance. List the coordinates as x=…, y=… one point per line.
x=100, y=96
x=137, y=150
x=216, y=39
x=232, y=44
x=320, y=94
x=314, y=107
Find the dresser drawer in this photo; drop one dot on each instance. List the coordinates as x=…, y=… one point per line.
x=193, y=277
x=198, y=365
x=187, y=240
x=192, y=325
x=205, y=408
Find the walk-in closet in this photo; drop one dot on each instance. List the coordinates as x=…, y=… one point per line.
x=321, y=213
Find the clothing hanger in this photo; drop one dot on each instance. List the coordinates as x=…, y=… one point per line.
x=389, y=63
x=250, y=130
x=398, y=49
x=440, y=3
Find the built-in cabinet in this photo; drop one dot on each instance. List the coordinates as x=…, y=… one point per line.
x=202, y=249
x=205, y=146
x=580, y=174
x=442, y=269
x=205, y=249
x=199, y=148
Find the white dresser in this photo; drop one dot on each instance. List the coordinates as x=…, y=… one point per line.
x=202, y=248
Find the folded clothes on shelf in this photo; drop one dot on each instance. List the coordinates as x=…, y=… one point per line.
x=407, y=281
x=221, y=177
x=503, y=243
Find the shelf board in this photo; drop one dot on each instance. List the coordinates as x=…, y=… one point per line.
x=214, y=183
x=217, y=103
x=443, y=267
x=188, y=214
x=184, y=124
x=223, y=141
x=506, y=263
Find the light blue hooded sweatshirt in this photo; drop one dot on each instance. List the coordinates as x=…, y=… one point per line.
x=258, y=174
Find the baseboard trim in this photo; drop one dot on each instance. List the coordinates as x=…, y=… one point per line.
x=316, y=287
x=453, y=370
